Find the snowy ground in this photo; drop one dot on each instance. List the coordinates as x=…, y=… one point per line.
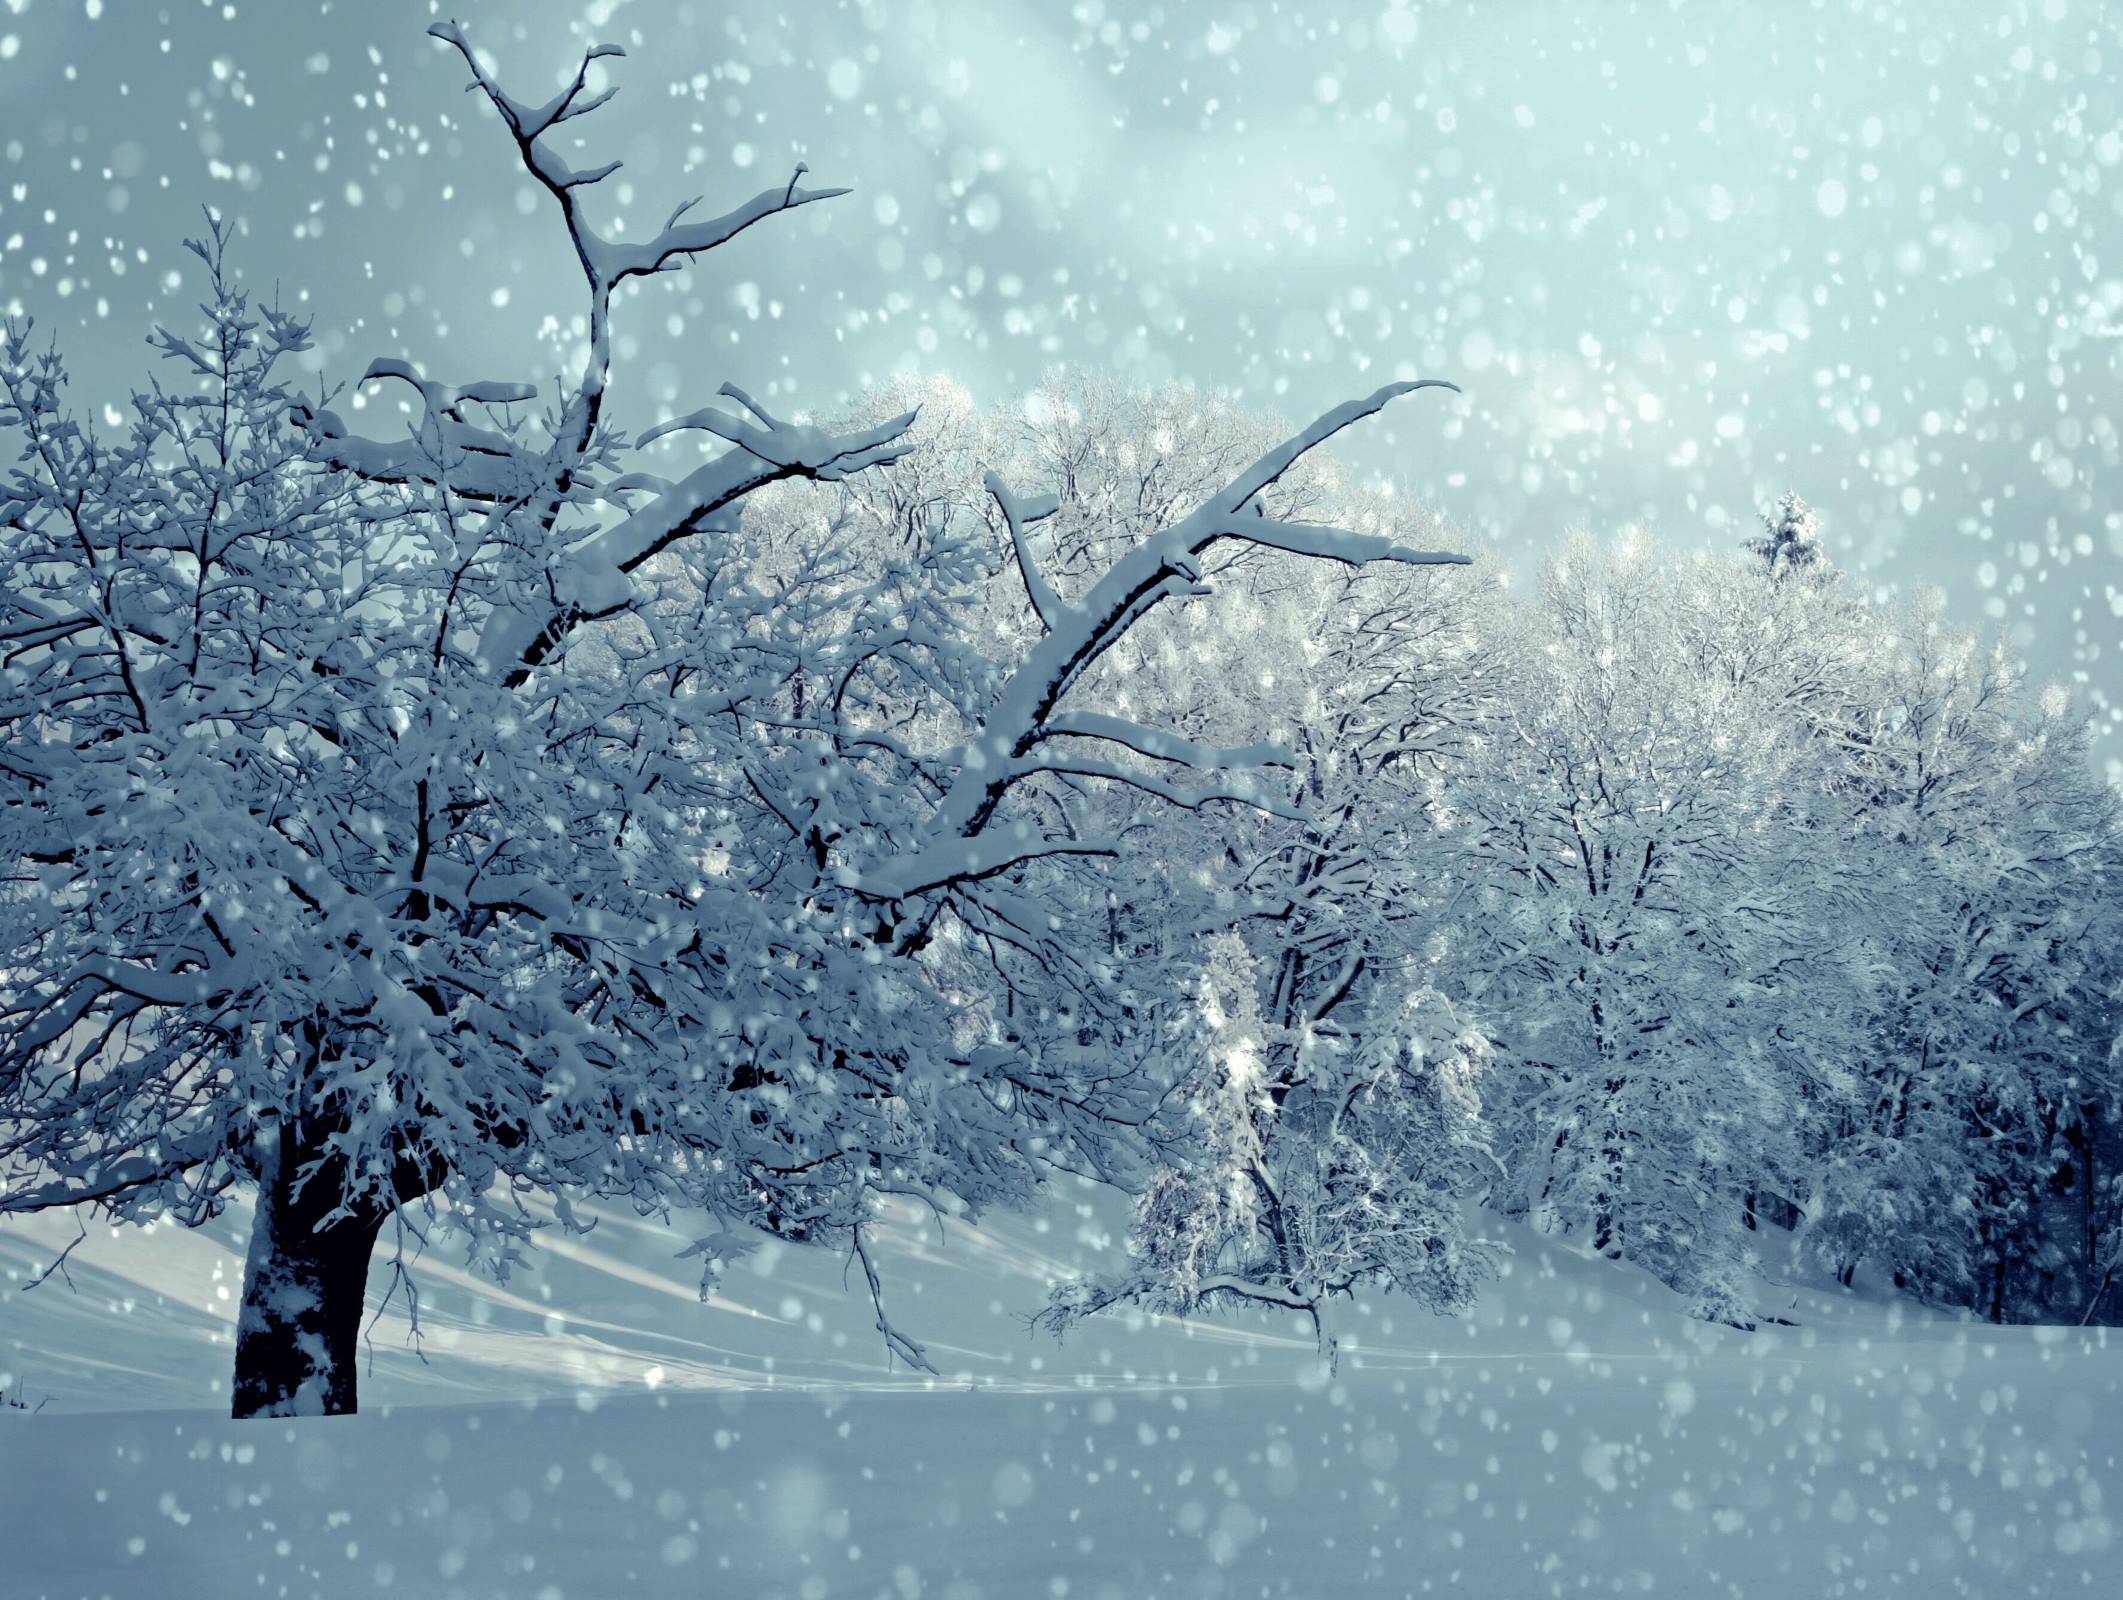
x=591, y=1430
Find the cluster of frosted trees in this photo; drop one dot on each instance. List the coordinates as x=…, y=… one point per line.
x=1689, y=904
x=1802, y=913
x=758, y=819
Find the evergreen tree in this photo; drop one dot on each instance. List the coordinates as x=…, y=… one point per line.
x=1791, y=537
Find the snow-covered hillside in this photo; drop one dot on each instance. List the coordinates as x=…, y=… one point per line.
x=592, y=1430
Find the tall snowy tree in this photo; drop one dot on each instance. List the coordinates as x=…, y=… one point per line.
x=1990, y=1090
x=1326, y=1130
x=1651, y=926
x=479, y=818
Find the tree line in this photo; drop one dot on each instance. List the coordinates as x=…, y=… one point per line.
x=1689, y=902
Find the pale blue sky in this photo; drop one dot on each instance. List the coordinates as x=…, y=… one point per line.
x=1680, y=255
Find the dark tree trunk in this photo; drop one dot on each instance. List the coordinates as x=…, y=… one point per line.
x=2082, y=1138
x=303, y=1286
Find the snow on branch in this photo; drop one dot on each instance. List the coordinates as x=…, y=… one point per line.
x=1286, y=455
x=962, y=840
x=1160, y=745
x=527, y=122
x=915, y=1355
x=442, y=400
x=1077, y=1300
x=447, y=452
x=605, y=262
x=1163, y=565
x=100, y=1185
x=444, y=450
x=678, y=240
x=1189, y=797
x=591, y=580
x=963, y=860
x=807, y=450
x=1049, y=605
x=1336, y=544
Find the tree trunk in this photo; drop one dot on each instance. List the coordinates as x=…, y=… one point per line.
x=2083, y=1138
x=303, y=1287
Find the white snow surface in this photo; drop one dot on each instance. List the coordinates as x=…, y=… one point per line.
x=590, y=1430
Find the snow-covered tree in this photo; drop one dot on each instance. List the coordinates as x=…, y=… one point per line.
x=1325, y=1133
x=1651, y=927
x=1790, y=540
x=1309, y=1167
x=1990, y=1092
x=481, y=816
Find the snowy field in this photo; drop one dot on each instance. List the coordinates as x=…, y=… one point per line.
x=591, y=1430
